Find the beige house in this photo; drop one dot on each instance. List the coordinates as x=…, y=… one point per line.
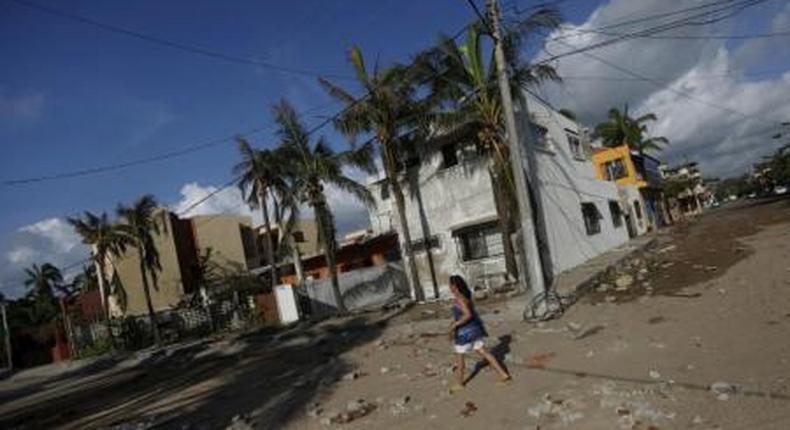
x=179, y=244
x=305, y=235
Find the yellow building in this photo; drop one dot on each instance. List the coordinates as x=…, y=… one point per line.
x=617, y=165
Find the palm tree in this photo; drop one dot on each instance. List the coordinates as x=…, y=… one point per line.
x=464, y=86
x=106, y=241
x=86, y=280
x=43, y=280
x=622, y=129
x=315, y=167
x=139, y=228
x=387, y=111
x=259, y=173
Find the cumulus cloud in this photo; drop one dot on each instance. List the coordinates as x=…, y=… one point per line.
x=708, y=105
x=50, y=240
x=24, y=106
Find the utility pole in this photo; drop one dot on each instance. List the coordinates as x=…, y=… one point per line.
x=7, y=337
x=530, y=252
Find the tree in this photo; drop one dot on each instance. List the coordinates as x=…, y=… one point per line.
x=469, y=108
x=43, y=280
x=622, y=129
x=106, y=241
x=86, y=280
x=140, y=225
x=260, y=174
x=387, y=111
x=315, y=167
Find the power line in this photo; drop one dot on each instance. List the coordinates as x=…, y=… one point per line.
x=705, y=37
x=708, y=76
x=686, y=21
x=173, y=44
x=146, y=160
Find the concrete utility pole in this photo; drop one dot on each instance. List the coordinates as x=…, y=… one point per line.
x=530, y=252
x=7, y=337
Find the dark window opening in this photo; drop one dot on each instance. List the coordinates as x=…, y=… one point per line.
x=539, y=133
x=615, y=169
x=298, y=237
x=575, y=144
x=638, y=209
x=449, y=155
x=617, y=213
x=481, y=241
x=592, y=218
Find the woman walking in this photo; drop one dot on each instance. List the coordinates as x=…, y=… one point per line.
x=468, y=333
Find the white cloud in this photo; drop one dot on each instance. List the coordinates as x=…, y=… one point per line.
x=349, y=213
x=26, y=106
x=50, y=240
x=713, y=72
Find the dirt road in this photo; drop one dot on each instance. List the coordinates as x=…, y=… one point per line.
x=713, y=310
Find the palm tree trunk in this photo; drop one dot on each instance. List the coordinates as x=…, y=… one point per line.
x=327, y=230
x=269, y=238
x=400, y=205
x=505, y=220
x=99, y=264
x=147, y=291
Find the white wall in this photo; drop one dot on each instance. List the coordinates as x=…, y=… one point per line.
x=564, y=182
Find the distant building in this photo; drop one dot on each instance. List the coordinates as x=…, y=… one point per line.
x=640, y=182
x=305, y=235
x=179, y=244
x=688, y=187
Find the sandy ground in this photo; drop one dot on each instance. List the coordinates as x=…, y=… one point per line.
x=715, y=309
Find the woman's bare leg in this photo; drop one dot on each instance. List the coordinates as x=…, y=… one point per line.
x=494, y=363
x=460, y=369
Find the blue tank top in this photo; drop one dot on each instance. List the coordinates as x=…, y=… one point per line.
x=472, y=330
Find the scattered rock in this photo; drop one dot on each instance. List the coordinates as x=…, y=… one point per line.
x=654, y=374
x=315, y=410
x=623, y=282
x=384, y=370
x=724, y=388
x=481, y=294
x=469, y=409
x=399, y=405
x=697, y=420
x=603, y=287
x=572, y=326
x=350, y=376
x=611, y=299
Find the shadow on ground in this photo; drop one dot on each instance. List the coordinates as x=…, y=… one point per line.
x=266, y=382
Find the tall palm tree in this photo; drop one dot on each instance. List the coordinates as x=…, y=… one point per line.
x=260, y=175
x=86, y=280
x=43, y=280
x=463, y=81
x=106, y=241
x=315, y=167
x=622, y=129
x=140, y=225
x=387, y=111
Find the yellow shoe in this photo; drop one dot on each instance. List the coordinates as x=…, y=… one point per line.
x=456, y=388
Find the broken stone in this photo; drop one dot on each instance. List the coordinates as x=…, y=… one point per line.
x=398, y=406
x=469, y=409
x=351, y=376
x=697, y=420
x=385, y=370
x=624, y=281
x=572, y=326
x=724, y=388
x=315, y=410
x=654, y=374
x=481, y=294
x=611, y=299
x=603, y=287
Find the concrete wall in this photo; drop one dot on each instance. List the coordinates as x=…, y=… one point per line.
x=629, y=196
x=361, y=289
x=561, y=182
x=230, y=239
x=169, y=288
x=440, y=201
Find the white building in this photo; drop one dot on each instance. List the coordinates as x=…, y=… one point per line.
x=452, y=213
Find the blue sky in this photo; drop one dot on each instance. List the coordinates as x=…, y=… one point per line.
x=74, y=96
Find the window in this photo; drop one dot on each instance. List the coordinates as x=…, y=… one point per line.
x=298, y=237
x=540, y=134
x=385, y=190
x=575, y=144
x=615, y=169
x=638, y=209
x=592, y=218
x=617, y=213
x=419, y=245
x=449, y=156
x=481, y=241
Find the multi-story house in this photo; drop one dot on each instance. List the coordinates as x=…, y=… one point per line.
x=693, y=194
x=451, y=207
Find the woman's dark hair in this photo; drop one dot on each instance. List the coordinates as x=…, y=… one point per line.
x=459, y=283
